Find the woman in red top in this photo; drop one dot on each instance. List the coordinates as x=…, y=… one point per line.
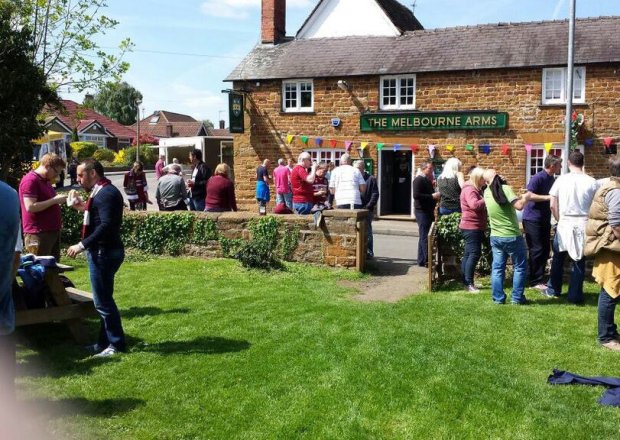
x=136, y=187
x=220, y=191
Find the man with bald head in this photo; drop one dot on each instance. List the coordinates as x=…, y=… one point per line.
x=506, y=239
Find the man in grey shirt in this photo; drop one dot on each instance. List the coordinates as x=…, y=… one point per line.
x=171, y=190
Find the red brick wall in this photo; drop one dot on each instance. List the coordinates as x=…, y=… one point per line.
x=517, y=92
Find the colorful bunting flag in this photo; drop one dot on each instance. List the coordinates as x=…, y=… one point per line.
x=608, y=141
x=431, y=150
x=415, y=148
x=505, y=149
x=318, y=142
x=380, y=146
x=486, y=149
x=347, y=145
x=548, y=147
x=304, y=139
x=290, y=138
x=469, y=147
x=333, y=143
x=397, y=147
x=588, y=142
x=363, y=145
x=528, y=148
x=449, y=148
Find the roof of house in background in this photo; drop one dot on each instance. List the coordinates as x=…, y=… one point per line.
x=218, y=132
x=490, y=46
x=75, y=115
x=162, y=123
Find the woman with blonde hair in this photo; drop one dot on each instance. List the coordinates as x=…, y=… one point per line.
x=220, y=191
x=136, y=187
x=449, y=184
x=473, y=225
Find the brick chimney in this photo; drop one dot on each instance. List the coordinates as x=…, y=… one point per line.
x=273, y=21
x=169, y=130
x=222, y=124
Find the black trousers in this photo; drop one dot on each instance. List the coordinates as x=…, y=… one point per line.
x=424, y=219
x=538, y=238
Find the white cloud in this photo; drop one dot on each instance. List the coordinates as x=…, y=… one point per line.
x=558, y=9
x=240, y=9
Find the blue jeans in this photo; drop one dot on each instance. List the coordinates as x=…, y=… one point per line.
x=607, y=329
x=103, y=265
x=197, y=204
x=424, y=220
x=302, y=208
x=471, y=254
x=503, y=247
x=287, y=199
x=577, y=275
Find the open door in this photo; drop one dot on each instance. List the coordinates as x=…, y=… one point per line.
x=227, y=157
x=395, y=178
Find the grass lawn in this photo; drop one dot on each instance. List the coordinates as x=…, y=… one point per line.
x=220, y=352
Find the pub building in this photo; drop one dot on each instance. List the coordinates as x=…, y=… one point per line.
x=365, y=76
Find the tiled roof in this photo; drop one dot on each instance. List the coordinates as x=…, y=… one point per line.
x=74, y=115
x=179, y=129
x=218, y=132
x=492, y=46
x=176, y=117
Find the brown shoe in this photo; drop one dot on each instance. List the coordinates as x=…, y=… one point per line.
x=612, y=345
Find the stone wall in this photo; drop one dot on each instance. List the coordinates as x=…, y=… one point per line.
x=515, y=91
x=336, y=243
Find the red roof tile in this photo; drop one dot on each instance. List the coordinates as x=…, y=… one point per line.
x=74, y=115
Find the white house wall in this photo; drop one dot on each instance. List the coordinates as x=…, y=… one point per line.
x=344, y=18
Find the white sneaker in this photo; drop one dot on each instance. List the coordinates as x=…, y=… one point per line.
x=110, y=351
x=472, y=289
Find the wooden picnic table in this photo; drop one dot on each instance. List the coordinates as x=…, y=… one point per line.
x=71, y=305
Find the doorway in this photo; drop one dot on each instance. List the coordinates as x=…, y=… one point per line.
x=395, y=177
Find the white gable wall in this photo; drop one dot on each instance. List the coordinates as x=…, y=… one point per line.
x=345, y=18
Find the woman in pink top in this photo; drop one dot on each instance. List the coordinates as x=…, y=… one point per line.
x=473, y=225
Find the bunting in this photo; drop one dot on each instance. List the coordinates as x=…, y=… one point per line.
x=363, y=145
x=431, y=150
x=505, y=149
x=449, y=148
x=486, y=149
x=548, y=147
x=290, y=138
x=588, y=142
x=304, y=139
x=397, y=147
x=318, y=142
x=380, y=146
x=333, y=143
x=608, y=141
x=347, y=145
x=528, y=148
x=469, y=147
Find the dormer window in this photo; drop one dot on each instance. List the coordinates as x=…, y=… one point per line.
x=154, y=120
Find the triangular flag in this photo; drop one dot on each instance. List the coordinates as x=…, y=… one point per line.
x=548, y=147
x=397, y=147
x=347, y=145
x=333, y=143
x=415, y=148
x=431, y=150
x=363, y=145
x=380, y=146
x=318, y=142
x=608, y=141
x=469, y=147
x=505, y=149
x=486, y=149
x=290, y=138
x=304, y=139
x=449, y=148
x=528, y=148
x=588, y=142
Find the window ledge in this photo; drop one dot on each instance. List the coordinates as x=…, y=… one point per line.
x=299, y=112
x=580, y=104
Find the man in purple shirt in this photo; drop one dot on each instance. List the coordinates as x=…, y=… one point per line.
x=537, y=220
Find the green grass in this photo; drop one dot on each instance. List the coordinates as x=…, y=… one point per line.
x=220, y=352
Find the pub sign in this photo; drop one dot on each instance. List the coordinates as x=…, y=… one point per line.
x=414, y=121
x=235, y=113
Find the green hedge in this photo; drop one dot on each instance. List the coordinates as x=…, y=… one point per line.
x=104, y=155
x=148, y=156
x=83, y=150
x=450, y=235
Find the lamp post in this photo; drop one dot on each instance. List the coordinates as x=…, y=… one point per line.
x=138, y=102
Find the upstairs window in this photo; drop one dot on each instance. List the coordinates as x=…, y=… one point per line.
x=398, y=92
x=298, y=96
x=554, y=85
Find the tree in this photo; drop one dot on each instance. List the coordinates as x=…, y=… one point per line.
x=118, y=101
x=207, y=123
x=23, y=94
x=63, y=41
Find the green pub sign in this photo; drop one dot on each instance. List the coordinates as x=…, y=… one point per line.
x=472, y=120
x=235, y=113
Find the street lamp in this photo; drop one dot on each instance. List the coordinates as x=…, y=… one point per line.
x=138, y=102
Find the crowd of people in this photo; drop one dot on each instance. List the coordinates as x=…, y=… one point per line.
x=586, y=213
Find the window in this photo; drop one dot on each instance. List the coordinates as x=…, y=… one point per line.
x=554, y=85
x=297, y=96
x=326, y=155
x=398, y=92
x=99, y=140
x=536, y=158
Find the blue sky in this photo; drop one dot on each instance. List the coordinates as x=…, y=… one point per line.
x=184, y=49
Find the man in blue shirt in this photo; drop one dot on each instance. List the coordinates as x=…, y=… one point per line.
x=10, y=248
x=537, y=220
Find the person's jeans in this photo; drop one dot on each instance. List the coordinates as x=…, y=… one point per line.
x=607, y=330
x=197, y=204
x=302, y=208
x=471, y=254
x=369, y=239
x=538, y=238
x=448, y=211
x=287, y=199
x=575, y=283
x=424, y=219
x=503, y=247
x=103, y=265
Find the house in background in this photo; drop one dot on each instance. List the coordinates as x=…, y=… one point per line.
x=165, y=124
x=365, y=76
x=89, y=125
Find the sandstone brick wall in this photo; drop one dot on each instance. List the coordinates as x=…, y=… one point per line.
x=336, y=243
x=515, y=91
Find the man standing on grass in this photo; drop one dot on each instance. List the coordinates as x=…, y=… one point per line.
x=537, y=219
x=101, y=239
x=603, y=241
x=571, y=197
x=506, y=239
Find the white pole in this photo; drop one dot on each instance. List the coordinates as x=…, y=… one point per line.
x=569, y=83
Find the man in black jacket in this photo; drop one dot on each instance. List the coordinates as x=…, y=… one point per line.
x=425, y=198
x=101, y=239
x=369, y=201
x=198, y=183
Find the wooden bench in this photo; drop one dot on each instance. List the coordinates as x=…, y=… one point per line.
x=71, y=306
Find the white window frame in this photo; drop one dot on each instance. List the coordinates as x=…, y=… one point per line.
x=539, y=167
x=100, y=140
x=326, y=155
x=298, y=83
x=398, y=105
x=579, y=85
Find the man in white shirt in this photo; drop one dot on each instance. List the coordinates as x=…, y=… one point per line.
x=571, y=197
x=346, y=184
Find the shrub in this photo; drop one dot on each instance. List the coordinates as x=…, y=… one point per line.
x=103, y=154
x=148, y=156
x=119, y=158
x=451, y=238
x=71, y=223
x=83, y=150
